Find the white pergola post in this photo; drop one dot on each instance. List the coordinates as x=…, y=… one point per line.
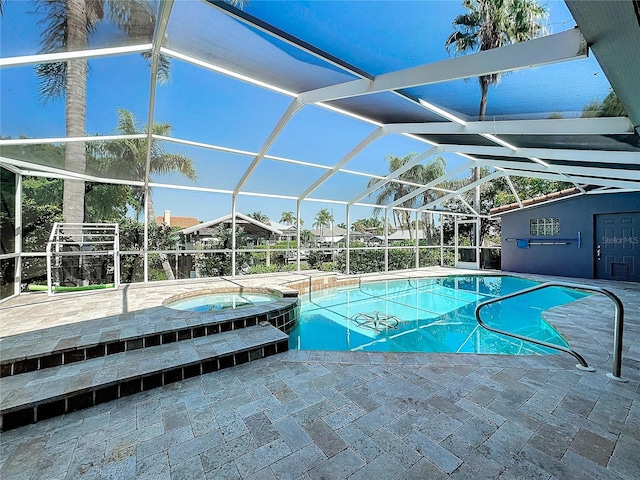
x=441, y=240
x=477, y=226
x=455, y=240
x=17, y=268
x=233, y=235
x=145, y=246
x=298, y=237
x=386, y=239
x=417, y=264
x=347, y=256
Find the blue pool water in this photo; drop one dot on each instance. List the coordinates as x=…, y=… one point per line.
x=428, y=315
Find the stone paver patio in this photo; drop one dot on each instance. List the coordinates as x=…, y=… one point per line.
x=334, y=415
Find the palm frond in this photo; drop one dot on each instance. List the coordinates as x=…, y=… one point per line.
x=134, y=17
x=53, y=80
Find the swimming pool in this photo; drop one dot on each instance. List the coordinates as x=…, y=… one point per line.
x=428, y=315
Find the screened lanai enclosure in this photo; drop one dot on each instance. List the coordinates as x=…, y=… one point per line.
x=368, y=135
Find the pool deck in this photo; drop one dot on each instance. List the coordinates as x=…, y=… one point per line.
x=334, y=415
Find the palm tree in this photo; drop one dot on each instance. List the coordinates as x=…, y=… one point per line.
x=364, y=224
x=261, y=217
x=489, y=24
x=395, y=190
x=288, y=218
x=68, y=26
x=323, y=219
x=127, y=159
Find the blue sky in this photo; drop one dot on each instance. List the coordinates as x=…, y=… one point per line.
x=207, y=107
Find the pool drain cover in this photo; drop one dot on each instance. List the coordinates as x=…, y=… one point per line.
x=376, y=321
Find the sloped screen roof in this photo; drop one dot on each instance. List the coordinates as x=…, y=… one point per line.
x=302, y=101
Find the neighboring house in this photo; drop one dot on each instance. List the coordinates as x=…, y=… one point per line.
x=587, y=236
x=328, y=236
x=289, y=232
x=206, y=232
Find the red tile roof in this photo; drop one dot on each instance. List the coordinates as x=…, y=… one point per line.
x=181, y=222
x=541, y=199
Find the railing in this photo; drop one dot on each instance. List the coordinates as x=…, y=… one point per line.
x=617, y=332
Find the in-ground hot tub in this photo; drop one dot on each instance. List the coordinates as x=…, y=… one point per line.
x=211, y=302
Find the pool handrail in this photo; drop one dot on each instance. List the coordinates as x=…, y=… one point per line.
x=617, y=332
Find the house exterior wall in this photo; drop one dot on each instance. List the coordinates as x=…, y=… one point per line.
x=575, y=215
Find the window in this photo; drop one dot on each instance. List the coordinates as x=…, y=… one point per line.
x=544, y=227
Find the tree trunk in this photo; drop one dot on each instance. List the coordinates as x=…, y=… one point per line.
x=166, y=266
x=484, y=90
x=76, y=112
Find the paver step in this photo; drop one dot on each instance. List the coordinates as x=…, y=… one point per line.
x=38, y=395
x=77, y=342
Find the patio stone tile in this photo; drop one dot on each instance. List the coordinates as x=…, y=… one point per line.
x=264, y=474
x=381, y=468
x=341, y=465
x=162, y=443
x=175, y=416
x=625, y=460
x=148, y=413
x=325, y=437
x=440, y=426
x=549, y=464
x=194, y=447
x=293, y=433
x=374, y=420
x=261, y=457
x=313, y=412
x=488, y=414
x=25, y=456
x=443, y=405
x=577, y=404
x=425, y=469
x=395, y=404
x=434, y=452
x=482, y=395
x=188, y=470
x=360, y=442
x=516, y=396
x=218, y=457
x=475, y=431
x=554, y=440
x=299, y=462
x=590, y=468
x=403, y=451
x=464, y=472
x=261, y=428
x=120, y=464
x=231, y=424
x=343, y=416
x=487, y=466
x=336, y=398
x=229, y=471
x=153, y=467
x=278, y=411
x=507, y=412
x=512, y=433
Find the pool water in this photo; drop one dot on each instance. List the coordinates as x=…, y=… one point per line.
x=429, y=315
x=221, y=301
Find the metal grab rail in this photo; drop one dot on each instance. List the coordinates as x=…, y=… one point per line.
x=617, y=332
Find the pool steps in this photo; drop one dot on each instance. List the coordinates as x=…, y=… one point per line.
x=109, y=358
